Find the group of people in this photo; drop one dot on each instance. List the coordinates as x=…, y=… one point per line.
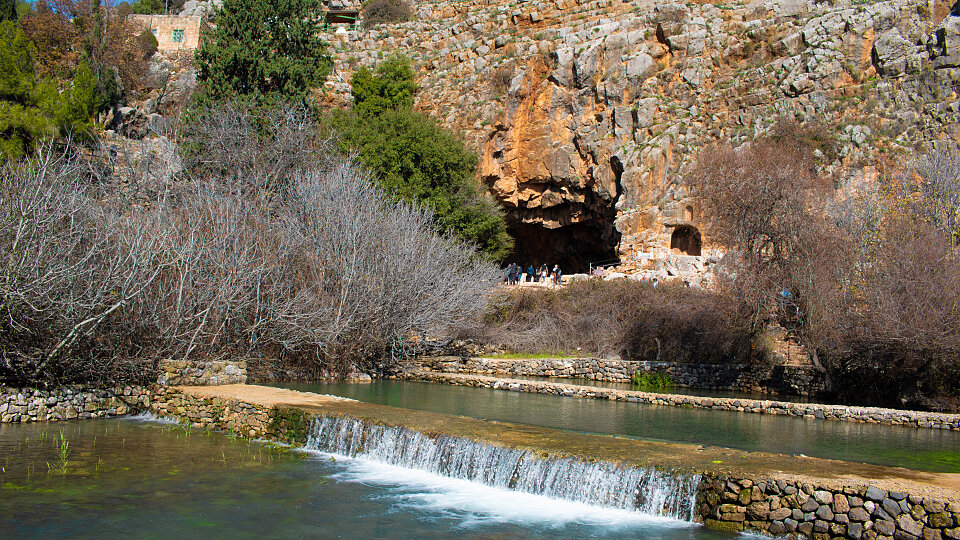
x=516, y=274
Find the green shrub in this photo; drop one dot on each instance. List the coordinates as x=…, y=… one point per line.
x=416, y=159
x=391, y=86
x=652, y=380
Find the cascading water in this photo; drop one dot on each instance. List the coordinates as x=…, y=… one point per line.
x=649, y=491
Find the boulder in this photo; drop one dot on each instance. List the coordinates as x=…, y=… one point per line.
x=891, y=53
x=945, y=50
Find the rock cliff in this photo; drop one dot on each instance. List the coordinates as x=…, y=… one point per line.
x=588, y=112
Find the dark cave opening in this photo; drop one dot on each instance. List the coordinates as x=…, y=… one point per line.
x=573, y=247
x=686, y=239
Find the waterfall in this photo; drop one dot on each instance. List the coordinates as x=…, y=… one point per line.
x=647, y=490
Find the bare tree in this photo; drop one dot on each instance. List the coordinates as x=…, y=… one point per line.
x=71, y=270
x=289, y=251
x=766, y=203
x=938, y=189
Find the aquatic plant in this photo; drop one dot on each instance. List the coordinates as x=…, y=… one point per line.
x=62, y=446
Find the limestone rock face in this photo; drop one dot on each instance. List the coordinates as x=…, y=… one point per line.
x=589, y=113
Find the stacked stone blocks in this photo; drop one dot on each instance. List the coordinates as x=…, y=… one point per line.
x=200, y=373
x=794, y=509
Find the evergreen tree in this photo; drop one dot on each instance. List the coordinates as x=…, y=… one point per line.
x=8, y=10
x=78, y=104
x=27, y=106
x=32, y=109
x=265, y=50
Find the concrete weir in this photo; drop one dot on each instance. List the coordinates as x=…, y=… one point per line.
x=723, y=488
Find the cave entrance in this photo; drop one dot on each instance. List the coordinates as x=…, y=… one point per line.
x=573, y=247
x=686, y=239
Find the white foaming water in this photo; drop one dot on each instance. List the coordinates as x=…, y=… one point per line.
x=477, y=504
x=601, y=486
x=150, y=417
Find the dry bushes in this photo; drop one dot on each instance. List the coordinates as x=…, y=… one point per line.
x=387, y=11
x=767, y=203
x=889, y=332
x=500, y=79
x=873, y=277
x=71, y=270
x=304, y=260
x=622, y=317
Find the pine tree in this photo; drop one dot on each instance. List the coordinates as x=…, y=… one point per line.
x=8, y=10
x=31, y=108
x=265, y=50
x=27, y=106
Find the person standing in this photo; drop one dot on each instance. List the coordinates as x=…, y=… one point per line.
x=556, y=274
x=531, y=274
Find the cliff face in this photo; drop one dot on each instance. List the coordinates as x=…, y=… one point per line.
x=587, y=113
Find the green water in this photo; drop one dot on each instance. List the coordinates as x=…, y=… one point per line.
x=139, y=479
x=921, y=449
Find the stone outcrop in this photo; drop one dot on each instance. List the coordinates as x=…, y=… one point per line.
x=588, y=112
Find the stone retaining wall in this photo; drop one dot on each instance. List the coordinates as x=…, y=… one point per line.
x=873, y=415
x=33, y=405
x=199, y=373
x=231, y=415
x=803, y=510
x=767, y=379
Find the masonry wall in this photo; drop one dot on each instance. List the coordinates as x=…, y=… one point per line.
x=231, y=415
x=872, y=415
x=38, y=405
x=803, y=510
x=68, y=403
x=200, y=373
x=163, y=27
x=766, y=379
